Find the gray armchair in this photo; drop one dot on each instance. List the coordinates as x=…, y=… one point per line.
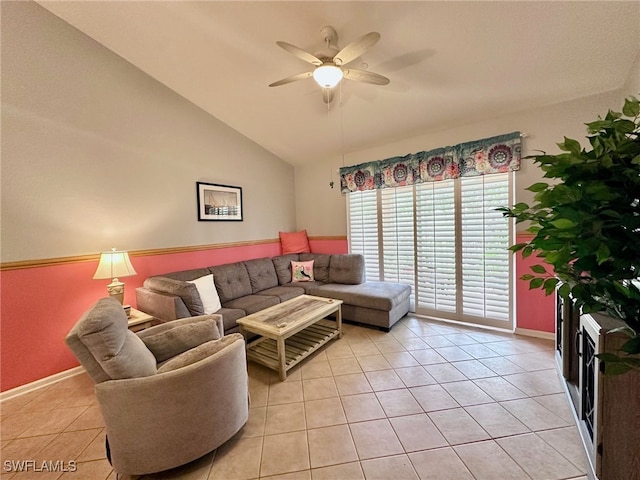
x=168, y=395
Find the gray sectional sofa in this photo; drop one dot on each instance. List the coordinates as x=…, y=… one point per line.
x=252, y=285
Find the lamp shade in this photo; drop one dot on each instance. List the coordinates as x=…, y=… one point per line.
x=327, y=76
x=114, y=264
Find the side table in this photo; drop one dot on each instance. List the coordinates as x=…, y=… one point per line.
x=139, y=320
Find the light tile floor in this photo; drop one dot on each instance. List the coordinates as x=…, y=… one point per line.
x=427, y=400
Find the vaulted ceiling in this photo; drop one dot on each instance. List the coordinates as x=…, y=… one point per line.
x=449, y=62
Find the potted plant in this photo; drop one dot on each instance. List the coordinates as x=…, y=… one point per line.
x=586, y=225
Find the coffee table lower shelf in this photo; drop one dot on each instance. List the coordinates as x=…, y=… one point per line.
x=297, y=346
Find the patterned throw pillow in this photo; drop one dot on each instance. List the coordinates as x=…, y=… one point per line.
x=302, y=271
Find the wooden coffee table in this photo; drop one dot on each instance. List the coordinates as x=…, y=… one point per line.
x=291, y=331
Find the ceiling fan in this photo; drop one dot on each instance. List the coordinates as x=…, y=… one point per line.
x=330, y=62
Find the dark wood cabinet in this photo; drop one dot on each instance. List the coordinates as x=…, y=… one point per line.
x=607, y=407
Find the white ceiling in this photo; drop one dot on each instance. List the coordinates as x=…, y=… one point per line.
x=449, y=62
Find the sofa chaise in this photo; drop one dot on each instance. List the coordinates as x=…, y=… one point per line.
x=249, y=286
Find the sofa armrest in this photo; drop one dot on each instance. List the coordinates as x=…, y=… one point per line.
x=163, y=306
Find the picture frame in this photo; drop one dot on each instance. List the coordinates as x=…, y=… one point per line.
x=219, y=203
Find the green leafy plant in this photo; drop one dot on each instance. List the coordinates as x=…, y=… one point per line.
x=586, y=225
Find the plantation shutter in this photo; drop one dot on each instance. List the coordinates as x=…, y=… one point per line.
x=363, y=230
x=397, y=213
x=485, y=241
x=436, y=247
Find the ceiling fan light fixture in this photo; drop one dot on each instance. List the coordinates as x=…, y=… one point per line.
x=327, y=75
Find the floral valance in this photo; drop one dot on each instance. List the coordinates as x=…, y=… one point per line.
x=481, y=157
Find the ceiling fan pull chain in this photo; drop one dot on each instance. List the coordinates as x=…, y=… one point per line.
x=341, y=123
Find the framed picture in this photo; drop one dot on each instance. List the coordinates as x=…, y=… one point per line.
x=219, y=202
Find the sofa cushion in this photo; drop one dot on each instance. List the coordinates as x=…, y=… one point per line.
x=199, y=353
x=375, y=295
x=174, y=341
x=306, y=286
x=183, y=289
x=294, y=242
x=252, y=303
x=282, y=264
x=262, y=274
x=121, y=354
x=284, y=293
x=346, y=268
x=320, y=265
x=302, y=271
x=232, y=281
x=208, y=294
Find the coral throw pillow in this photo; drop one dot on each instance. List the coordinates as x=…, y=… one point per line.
x=302, y=271
x=294, y=242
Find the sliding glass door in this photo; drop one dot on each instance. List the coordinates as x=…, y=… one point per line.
x=446, y=240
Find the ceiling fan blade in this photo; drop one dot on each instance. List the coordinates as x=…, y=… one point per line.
x=366, y=77
x=356, y=48
x=298, y=52
x=292, y=78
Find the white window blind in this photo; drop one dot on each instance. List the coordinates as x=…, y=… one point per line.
x=485, y=243
x=398, y=257
x=363, y=230
x=436, y=249
x=443, y=238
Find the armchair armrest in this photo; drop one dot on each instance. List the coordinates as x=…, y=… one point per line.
x=173, y=338
x=163, y=327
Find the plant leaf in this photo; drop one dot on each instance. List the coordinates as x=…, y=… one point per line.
x=538, y=187
x=564, y=290
x=538, y=269
x=631, y=107
x=631, y=346
x=603, y=253
x=550, y=285
x=536, y=283
x=615, y=368
x=570, y=145
x=517, y=247
x=563, y=223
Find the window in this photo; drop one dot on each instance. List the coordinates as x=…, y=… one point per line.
x=397, y=215
x=363, y=230
x=485, y=242
x=443, y=238
x=436, y=252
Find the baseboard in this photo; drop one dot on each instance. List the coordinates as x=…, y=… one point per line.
x=458, y=323
x=43, y=382
x=525, y=332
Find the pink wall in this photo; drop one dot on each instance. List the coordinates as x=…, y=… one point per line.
x=39, y=305
x=328, y=245
x=534, y=309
